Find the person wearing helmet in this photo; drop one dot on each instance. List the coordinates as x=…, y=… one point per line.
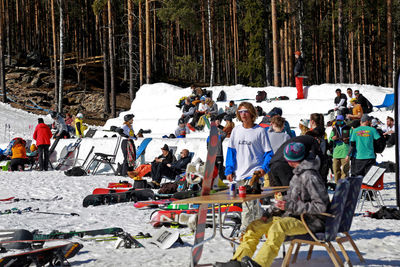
x=127, y=145
x=79, y=127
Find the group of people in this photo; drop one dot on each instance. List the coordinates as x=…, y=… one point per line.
x=41, y=151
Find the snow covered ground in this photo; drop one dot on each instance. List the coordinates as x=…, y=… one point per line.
x=154, y=109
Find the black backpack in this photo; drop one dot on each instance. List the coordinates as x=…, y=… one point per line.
x=380, y=144
x=261, y=96
x=75, y=171
x=221, y=96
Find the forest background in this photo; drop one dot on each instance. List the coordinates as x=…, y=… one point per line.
x=117, y=46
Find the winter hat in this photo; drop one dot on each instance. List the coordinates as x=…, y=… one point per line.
x=374, y=122
x=165, y=147
x=277, y=111
x=203, y=98
x=294, y=152
x=228, y=118
x=40, y=120
x=128, y=117
x=305, y=122
x=297, y=53
x=79, y=115
x=53, y=114
x=339, y=118
x=365, y=118
x=33, y=148
x=181, y=121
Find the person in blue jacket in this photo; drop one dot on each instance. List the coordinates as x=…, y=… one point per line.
x=248, y=151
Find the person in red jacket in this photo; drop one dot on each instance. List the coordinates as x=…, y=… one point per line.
x=42, y=135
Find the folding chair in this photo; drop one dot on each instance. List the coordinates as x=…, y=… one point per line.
x=101, y=158
x=373, y=182
x=388, y=102
x=347, y=218
x=334, y=217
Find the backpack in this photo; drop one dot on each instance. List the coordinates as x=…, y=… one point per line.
x=261, y=96
x=221, y=96
x=380, y=144
x=75, y=171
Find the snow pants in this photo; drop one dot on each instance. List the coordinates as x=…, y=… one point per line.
x=299, y=86
x=275, y=229
x=341, y=169
x=43, y=151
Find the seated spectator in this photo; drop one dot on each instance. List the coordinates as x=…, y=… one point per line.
x=356, y=110
x=365, y=104
x=18, y=157
x=304, y=126
x=340, y=100
x=228, y=126
x=275, y=134
x=212, y=107
x=231, y=109
x=158, y=164
x=200, y=111
x=349, y=96
x=182, y=129
x=69, y=121
x=389, y=132
x=188, y=110
x=307, y=194
x=171, y=170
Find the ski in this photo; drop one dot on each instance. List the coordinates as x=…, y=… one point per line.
x=153, y=203
x=197, y=248
x=66, y=235
x=50, y=255
x=37, y=199
x=7, y=199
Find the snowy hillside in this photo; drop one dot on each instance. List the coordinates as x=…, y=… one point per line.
x=155, y=109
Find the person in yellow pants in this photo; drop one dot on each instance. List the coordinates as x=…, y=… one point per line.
x=307, y=194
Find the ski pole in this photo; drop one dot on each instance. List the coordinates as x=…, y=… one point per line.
x=58, y=213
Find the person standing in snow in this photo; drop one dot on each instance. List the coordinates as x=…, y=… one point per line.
x=42, y=135
x=248, y=151
x=79, y=127
x=127, y=145
x=298, y=72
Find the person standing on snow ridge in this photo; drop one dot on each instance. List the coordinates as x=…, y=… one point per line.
x=298, y=71
x=79, y=127
x=248, y=151
x=42, y=135
x=127, y=145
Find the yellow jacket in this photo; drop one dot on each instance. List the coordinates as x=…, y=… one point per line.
x=82, y=128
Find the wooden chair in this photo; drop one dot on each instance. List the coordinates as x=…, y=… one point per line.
x=101, y=158
x=334, y=217
x=347, y=218
x=373, y=182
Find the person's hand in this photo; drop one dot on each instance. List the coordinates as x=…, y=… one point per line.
x=334, y=137
x=169, y=165
x=347, y=158
x=262, y=172
x=229, y=177
x=280, y=204
x=264, y=219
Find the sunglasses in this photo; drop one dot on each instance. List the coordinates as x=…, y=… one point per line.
x=243, y=111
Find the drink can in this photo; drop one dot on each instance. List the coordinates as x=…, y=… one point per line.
x=232, y=189
x=242, y=191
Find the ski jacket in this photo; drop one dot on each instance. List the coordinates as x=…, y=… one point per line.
x=128, y=132
x=299, y=67
x=179, y=166
x=60, y=124
x=365, y=104
x=340, y=101
x=248, y=151
x=42, y=134
x=18, y=152
x=188, y=110
x=79, y=127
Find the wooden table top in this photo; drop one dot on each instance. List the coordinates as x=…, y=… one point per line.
x=223, y=197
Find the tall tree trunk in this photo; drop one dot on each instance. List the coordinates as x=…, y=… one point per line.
x=342, y=57
x=148, y=56
x=334, y=43
x=104, y=43
x=275, y=42
x=235, y=39
x=226, y=58
x=267, y=51
x=203, y=34
x=111, y=54
x=141, y=60
x=389, y=45
x=53, y=24
x=60, y=87
x=359, y=55
x=364, y=56
x=351, y=49
x=210, y=44
x=301, y=34
x=130, y=49
x=2, y=63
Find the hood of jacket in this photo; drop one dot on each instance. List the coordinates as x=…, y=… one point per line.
x=308, y=164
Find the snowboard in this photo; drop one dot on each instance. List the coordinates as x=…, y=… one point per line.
x=205, y=190
x=164, y=239
x=43, y=256
x=113, y=198
x=120, y=184
x=153, y=203
x=98, y=191
x=142, y=147
x=66, y=235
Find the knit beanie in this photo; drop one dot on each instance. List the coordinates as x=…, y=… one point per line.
x=294, y=152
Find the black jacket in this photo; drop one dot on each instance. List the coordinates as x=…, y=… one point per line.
x=299, y=67
x=179, y=166
x=365, y=104
x=338, y=98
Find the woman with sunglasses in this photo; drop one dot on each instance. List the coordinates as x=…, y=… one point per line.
x=248, y=151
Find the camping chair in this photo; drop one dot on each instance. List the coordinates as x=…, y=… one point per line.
x=388, y=102
x=165, y=179
x=101, y=158
x=334, y=217
x=347, y=218
x=373, y=182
